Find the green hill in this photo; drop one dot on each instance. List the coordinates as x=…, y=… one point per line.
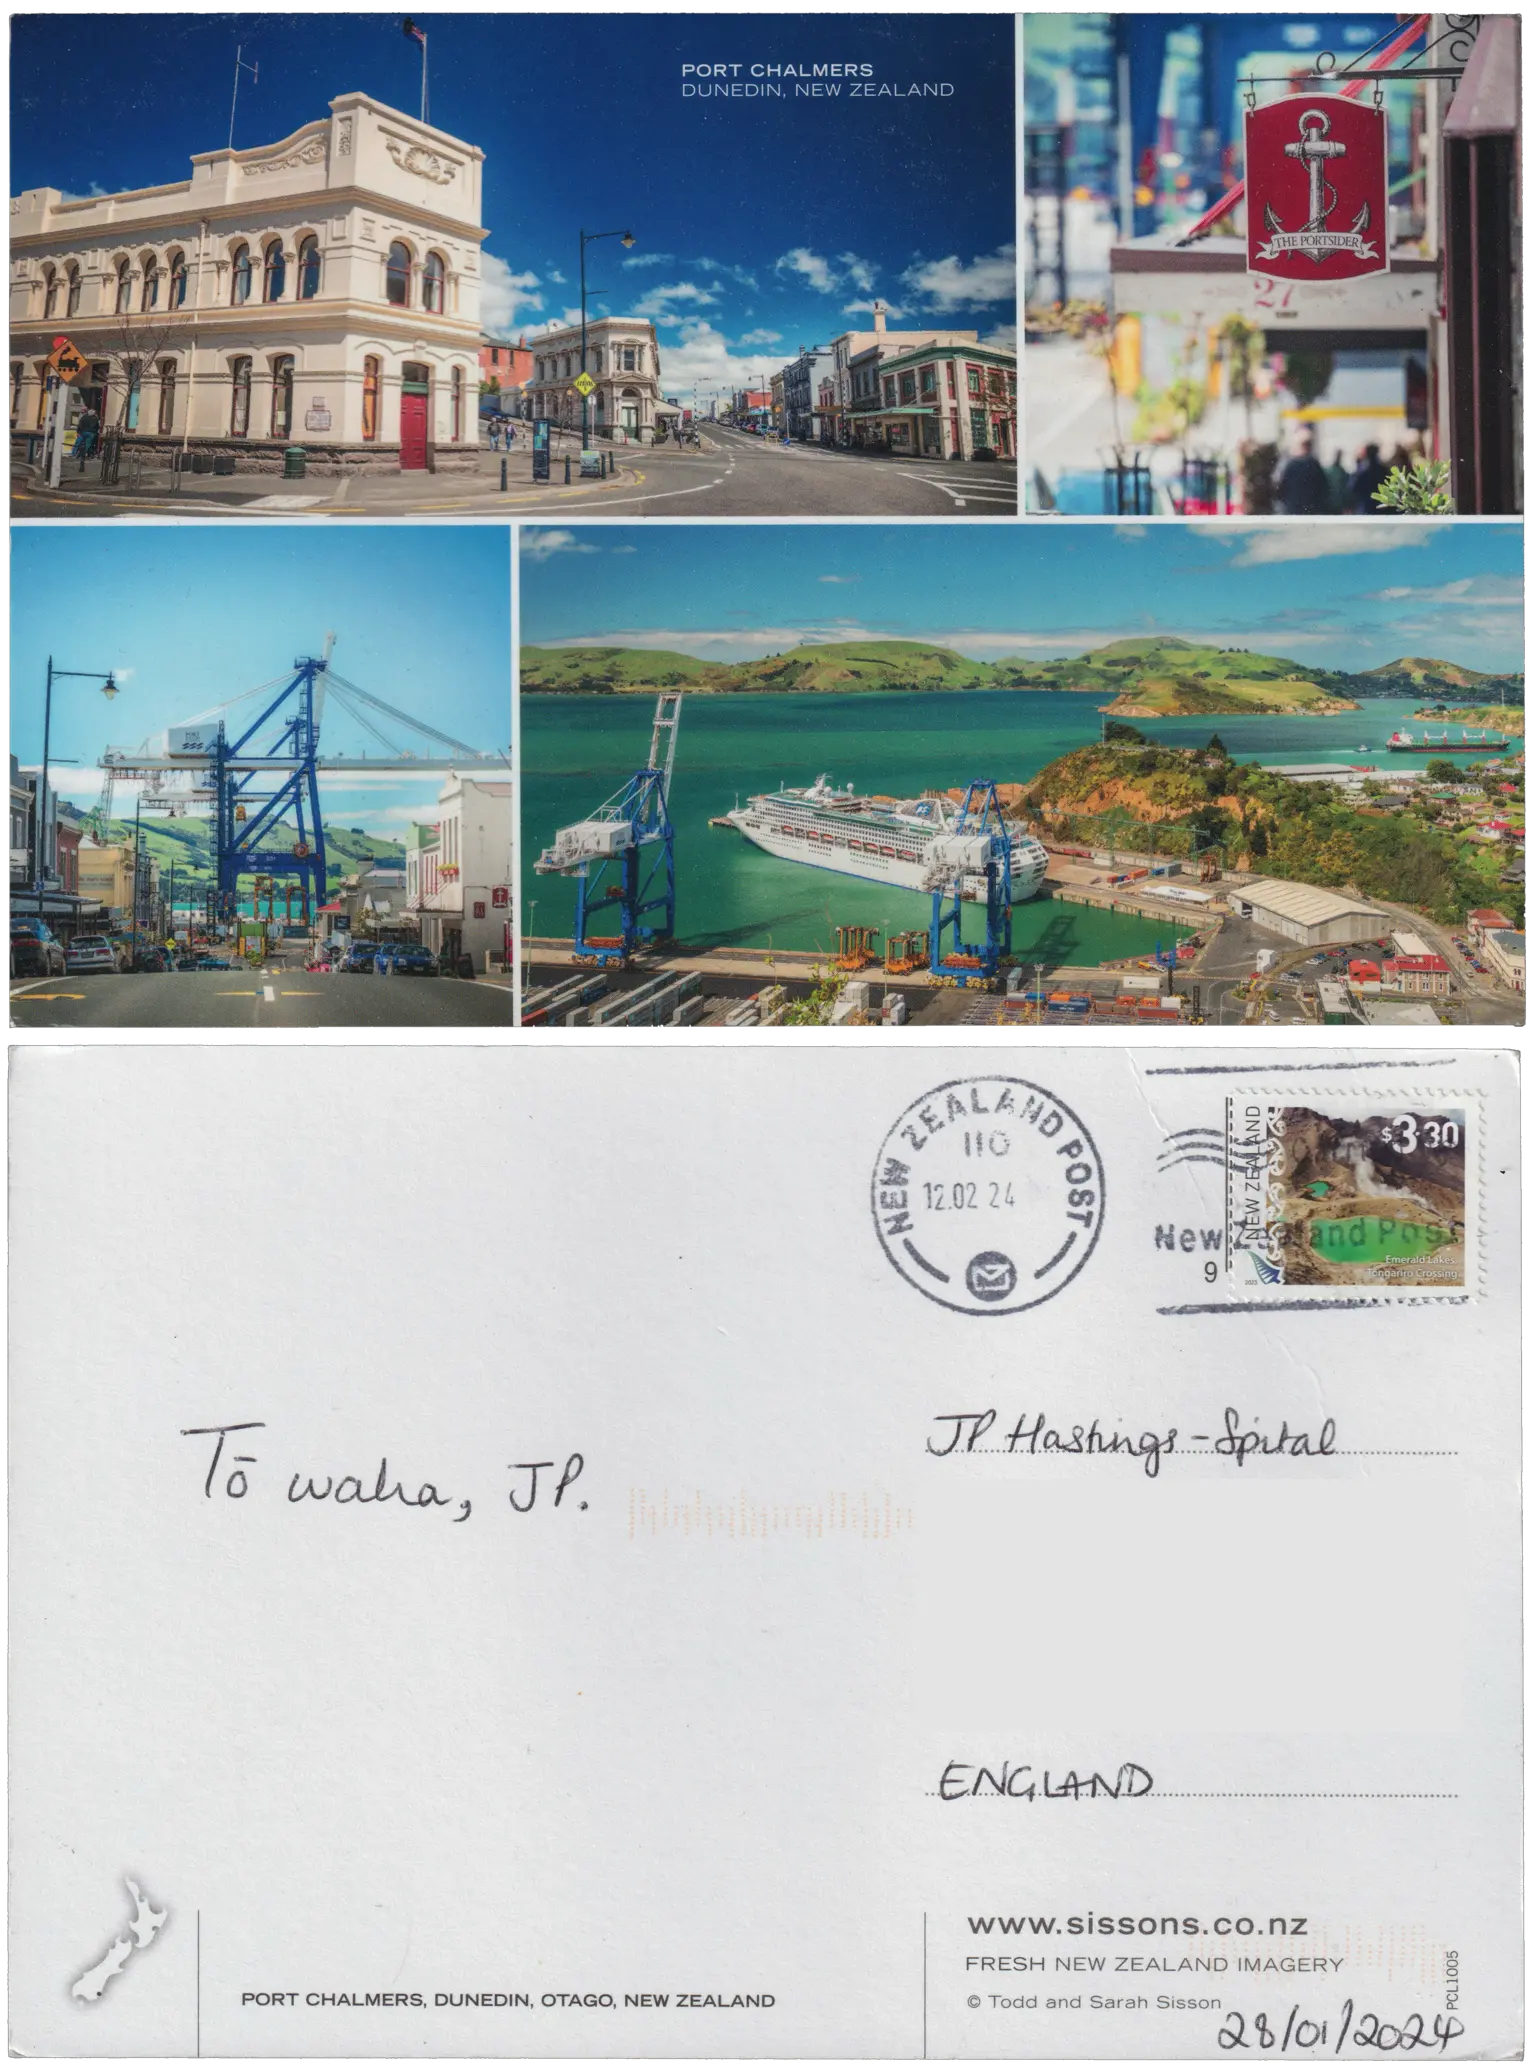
x=1181, y=801
x=1507, y=718
x=1134, y=668
x=880, y=664
x=1156, y=676
x=1415, y=676
x=186, y=845
x=605, y=670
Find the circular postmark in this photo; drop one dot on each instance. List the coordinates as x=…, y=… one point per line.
x=988, y=1195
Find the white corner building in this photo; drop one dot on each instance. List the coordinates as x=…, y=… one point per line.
x=323, y=291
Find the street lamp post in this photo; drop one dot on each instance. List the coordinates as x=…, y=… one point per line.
x=40, y=814
x=593, y=237
x=138, y=806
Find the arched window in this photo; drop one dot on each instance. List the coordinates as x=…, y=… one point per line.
x=274, y=271
x=433, y=275
x=72, y=298
x=370, y=399
x=178, y=279
x=167, y=396
x=124, y=287
x=149, y=294
x=457, y=390
x=397, y=276
x=309, y=269
x=240, y=276
x=282, y=396
x=50, y=292
x=240, y=398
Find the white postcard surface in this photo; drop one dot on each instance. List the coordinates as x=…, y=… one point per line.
x=752, y=1553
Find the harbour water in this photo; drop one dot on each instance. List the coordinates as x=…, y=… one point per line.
x=576, y=751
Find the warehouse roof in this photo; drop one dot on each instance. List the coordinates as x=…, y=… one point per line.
x=1304, y=902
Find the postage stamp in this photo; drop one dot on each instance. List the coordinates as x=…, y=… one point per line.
x=1334, y=1194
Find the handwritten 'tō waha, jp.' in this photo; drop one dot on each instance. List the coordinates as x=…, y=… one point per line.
x=141, y=1929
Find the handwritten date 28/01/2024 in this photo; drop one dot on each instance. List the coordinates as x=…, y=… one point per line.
x=234, y=1475
x=1365, y=2030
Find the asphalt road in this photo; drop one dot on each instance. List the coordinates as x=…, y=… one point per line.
x=737, y=476
x=756, y=477
x=267, y=999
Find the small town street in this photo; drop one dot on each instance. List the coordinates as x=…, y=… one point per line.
x=276, y=995
x=732, y=474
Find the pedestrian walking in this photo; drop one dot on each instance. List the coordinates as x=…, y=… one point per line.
x=1368, y=476
x=1302, y=488
x=87, y=431
x=1338, y=483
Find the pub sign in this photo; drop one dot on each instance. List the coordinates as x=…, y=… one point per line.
x=1315, y=167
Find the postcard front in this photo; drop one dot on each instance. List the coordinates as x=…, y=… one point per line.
x=858, y=1552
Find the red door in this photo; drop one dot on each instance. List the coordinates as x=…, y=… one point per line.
x=413, y=431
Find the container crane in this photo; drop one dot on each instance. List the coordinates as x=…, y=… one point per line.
x=977, y=845
x=631, y=836
x=258, y=777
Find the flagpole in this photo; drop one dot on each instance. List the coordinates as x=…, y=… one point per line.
x=423, y=75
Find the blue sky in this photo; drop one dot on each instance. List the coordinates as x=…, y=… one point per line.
x=760, y=225
x=1336, y=593
x=189, y=617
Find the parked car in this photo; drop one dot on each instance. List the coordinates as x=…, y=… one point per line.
x=359, y=957
x=90, y=954
x=212, y=962
x=150, y=960
x=405, y=962
x=36, y=951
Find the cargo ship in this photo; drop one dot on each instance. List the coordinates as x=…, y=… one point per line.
x=911, y=845
x=1405, y=743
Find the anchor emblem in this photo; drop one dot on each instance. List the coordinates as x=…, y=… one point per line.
x=1315, y=240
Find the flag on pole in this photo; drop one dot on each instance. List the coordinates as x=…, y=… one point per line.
x=417, y=35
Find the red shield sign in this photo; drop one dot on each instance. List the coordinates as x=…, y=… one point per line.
x=1316, y=188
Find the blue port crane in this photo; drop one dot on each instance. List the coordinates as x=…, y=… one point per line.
x=971, y=862
x=621, y=856
x=257, y=777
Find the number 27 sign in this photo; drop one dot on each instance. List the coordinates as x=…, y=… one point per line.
x=1315, y=167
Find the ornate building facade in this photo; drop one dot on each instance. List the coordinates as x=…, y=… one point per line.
x=323, y=291
x=625, y=364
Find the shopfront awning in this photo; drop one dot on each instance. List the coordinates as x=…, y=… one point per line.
x=1486, y=101
x=1204, y=283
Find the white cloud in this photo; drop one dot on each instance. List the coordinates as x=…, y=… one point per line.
x=701, y=357
x=951, y=283
x=505, y=295
x=1004, y=339
x=1493, y=591
x=741, y=274
x=657, y=304
x=557, y=277
x=839, y=579
x=858, y=272
x=646, y=258
x=761, y=337
x=626, y=549
x=1313, y=538
x=814, y=270
x=543, y=545
x=868, y=308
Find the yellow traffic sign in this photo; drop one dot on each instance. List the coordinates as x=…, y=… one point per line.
x=65, y=360
x=583, y=384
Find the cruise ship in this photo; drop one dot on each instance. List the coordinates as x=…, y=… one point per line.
x=911, y=845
